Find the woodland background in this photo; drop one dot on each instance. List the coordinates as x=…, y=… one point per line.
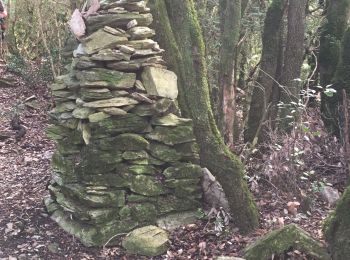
x=277, y=80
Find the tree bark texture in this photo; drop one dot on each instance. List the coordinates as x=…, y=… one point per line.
x=231, y=25
x=337, y=16
x=179, y=32
x=293, y=60
x=262, y=92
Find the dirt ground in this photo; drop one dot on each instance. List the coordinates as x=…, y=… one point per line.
x=27, y=232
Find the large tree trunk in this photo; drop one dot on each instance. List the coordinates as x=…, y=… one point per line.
x=337, y=16
x=262, y=92
x=180, y=34
x=293, y=60
x=231, y=25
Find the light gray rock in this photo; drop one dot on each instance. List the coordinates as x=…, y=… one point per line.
x=141, y=32
x=160, y=82
x=176, y=220
x=93, y=43
x=330, y=195
x=213, y=193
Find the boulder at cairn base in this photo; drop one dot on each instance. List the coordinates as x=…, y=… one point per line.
x=148, y=241
x=160, y=82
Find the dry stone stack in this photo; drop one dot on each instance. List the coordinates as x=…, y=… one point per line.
x=124, y=158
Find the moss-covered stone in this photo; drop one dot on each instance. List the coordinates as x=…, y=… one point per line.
x=81, y=212
x=97, y=117
x=108, y=231
x=148, y=241
x=143, y=110
x=280, y=241
x=92, y=43
x=85, y=233
x=185, y=187
x=126, y=123
x=171, y=120
x=164, y=153
x=183, y=171
x=64, y=178
x=170, y=203
x=57, y=132
x=135, y=155
x=337, y=229
x=176, y=220
x=88, y=94
x=82, y=112
x=102, y=198
x=112, y=102
x=112, y=79
x=123, y=142
x=84, y=63
x=134, y=198
x=136, y=65
x=117, y=20
x=107, y=180
x=172, y=135
x=143, y=169
x=143, y=213
x=66, y=148
x=146, y=185
x=64, y=107
x=94, y=161
x=114, y=111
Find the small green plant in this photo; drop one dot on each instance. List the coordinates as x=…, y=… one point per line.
x=317, y=186
x=220, y=218
x=200, y=214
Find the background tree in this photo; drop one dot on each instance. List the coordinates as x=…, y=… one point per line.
x=180, y=34
x=230, y=34
x=337, y=16
x=262, y=92
x=293, y=60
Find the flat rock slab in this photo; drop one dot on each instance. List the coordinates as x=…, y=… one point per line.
x=160, y=82
x=113, y=102
x=93, y=43
x=148, y=241
x=176, y=220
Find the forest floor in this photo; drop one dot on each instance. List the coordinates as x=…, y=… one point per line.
x=27, y=232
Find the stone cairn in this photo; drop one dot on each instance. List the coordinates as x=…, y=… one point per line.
x=124, y=158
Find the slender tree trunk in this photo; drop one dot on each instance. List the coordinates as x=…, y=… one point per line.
x=337, y=16
x=231, y=25
x=180, y=34
x=262, y=92
x=293, y=60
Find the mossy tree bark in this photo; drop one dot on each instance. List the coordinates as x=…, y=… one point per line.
x=231, y=25
x=179, y=32
x=293, y=60
x=337, y=16
x=337, y=229
x=262, y=92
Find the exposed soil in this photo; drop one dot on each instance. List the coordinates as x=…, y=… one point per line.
x=27, y=232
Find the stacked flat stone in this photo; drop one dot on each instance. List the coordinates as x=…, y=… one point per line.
x=124, y=156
